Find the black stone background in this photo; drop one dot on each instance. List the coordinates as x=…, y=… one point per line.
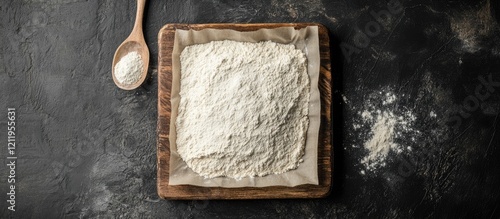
x=88, y=149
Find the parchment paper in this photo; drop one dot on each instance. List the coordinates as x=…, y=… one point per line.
x=305, y=39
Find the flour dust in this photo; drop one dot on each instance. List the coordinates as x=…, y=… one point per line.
x=386, y=124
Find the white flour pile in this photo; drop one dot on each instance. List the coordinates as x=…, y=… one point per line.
x=386, y=124
x=128, y=70
x=243, y=109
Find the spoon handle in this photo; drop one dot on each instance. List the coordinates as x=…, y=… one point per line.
x=139, y=16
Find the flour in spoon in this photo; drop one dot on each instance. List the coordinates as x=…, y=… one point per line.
x=243, y=108
x=129, y=69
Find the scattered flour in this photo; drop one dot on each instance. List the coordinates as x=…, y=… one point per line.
x=381, y=141
x=386, y=124
x=243, y=109
x=367, y=115
x=129, y=69
x=345, y=99
x=390, y=98
x=432, y=114
x=386, y=131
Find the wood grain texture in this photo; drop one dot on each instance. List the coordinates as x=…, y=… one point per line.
x=165, y=43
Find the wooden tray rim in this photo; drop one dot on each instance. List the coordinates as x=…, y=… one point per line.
x=192, y=192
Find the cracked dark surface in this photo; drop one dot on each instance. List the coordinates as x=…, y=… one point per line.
x=87, y=149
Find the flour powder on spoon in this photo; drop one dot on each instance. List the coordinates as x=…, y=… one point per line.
x=129, y=69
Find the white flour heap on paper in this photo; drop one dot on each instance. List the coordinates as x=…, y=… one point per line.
x=386, y=124
x=129, y=69
x=243, y=108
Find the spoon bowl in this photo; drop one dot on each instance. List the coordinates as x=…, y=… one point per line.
x=134, y=43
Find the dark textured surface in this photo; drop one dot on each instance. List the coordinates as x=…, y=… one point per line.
x=87, y=149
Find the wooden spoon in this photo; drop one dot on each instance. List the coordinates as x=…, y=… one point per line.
x=134, y=42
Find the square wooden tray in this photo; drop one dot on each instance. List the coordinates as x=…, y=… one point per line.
x=165, y=42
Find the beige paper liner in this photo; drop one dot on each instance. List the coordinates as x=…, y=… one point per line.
x=305, y=39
